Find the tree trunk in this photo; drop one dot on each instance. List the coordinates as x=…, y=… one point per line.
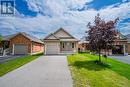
x=99, y=54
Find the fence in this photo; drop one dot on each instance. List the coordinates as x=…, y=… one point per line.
x=6, y=51
x=1, y=50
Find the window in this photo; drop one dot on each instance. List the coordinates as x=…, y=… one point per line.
x=63, y=45
x=72, y=45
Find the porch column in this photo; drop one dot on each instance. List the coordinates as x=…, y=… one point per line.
x=124, y=49
x=44, y=48
x=31, y=48
x=13, y=50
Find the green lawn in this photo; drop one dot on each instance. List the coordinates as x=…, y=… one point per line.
x=16, y=63
x=86, y=73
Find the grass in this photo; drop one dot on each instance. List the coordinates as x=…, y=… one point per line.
x=16, y=63
x=86, y=73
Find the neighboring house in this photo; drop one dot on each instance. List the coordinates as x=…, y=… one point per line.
x=60, y=42
x=120, y=46
x=0, y=45
x=22, y=43
x=128, y=45
x=83, y=45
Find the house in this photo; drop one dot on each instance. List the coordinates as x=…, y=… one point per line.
x=22, y=43
x=128, y=45
x=83, y=45
x=60, y=42
x=120, y=46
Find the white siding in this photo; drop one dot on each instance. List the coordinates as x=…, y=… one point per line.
x=51, y=37
x=61, y=33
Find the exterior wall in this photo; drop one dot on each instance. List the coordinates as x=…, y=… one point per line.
x=20, y=39
x=128, y=46
x=61, y=33
x=33, y=47
x=0, y=45
x=106, y=52
x=68, y=48
x=120, y=42
x=83, y=47
x=62, y=51
x=123, y=43
x=37, y=47
x=76, y=47
x=51, y=37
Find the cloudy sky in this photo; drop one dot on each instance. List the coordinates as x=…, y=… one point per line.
x=40, y=17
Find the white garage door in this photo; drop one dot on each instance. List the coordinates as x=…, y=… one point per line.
x=20, y=49
x=52, y=48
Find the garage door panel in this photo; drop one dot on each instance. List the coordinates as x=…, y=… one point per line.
x=20, y=49
x=52, y=48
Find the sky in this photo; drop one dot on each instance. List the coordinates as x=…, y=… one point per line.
x=41, y=17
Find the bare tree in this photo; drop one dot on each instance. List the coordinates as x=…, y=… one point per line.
x=101, y=34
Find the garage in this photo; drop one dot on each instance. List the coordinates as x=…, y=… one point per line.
x=52, y=48
x=20, y=49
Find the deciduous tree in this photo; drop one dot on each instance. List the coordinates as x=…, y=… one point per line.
x=101, y=34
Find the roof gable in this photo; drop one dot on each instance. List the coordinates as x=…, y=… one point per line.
x=30, y=37
x=61, y=33
x=51, y=36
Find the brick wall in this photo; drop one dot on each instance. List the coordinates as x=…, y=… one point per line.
x=20, y=39
x=37, y=47
x=128, y=48
x=0, y=45
x=32, y=46
x=83, y=47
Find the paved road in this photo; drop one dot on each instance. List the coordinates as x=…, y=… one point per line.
x=125, y=59
x=4, y=59
x=46, y=71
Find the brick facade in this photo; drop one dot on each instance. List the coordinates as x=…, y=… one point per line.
x=36, y=47
x=20, y=39
x=83, y=47
x=33, y=47
x=0, y=45
x=128, y=48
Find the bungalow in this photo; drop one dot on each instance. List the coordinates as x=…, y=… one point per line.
x=60, y=42
x=22, y=43
x=120, y=46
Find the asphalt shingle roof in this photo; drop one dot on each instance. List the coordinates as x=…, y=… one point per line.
x=32, y=38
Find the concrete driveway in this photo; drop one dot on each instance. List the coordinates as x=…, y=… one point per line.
x=125, y=59
x=46, y=71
